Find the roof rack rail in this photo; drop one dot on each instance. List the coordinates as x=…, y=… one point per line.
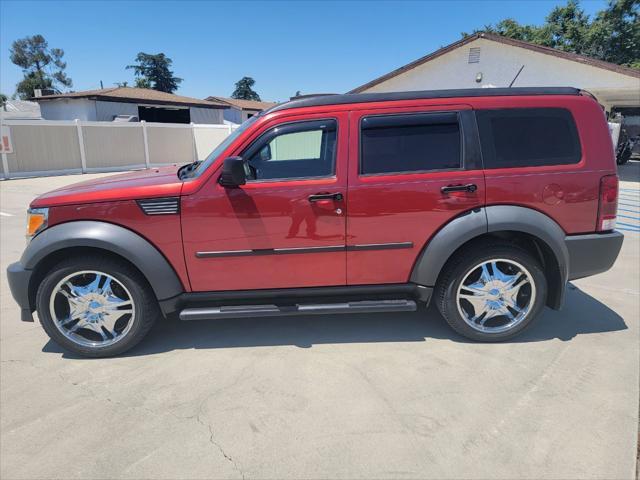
x=341, y=99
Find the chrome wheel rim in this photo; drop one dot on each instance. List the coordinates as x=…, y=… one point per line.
x=496, y=295
x=92, y=308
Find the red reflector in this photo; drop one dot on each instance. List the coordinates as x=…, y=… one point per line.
x=608, y=203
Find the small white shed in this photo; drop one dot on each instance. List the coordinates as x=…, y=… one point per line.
x=106, y=104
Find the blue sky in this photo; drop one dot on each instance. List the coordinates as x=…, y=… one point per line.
x=310, y=46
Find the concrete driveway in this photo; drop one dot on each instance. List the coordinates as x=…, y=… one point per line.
x=367, y=396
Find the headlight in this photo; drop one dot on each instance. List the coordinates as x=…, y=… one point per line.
x=37, y=219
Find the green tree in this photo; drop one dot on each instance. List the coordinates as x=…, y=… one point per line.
x=567, y=28
x=154, y=71
x=244, y=91
x=3, y=99
x=142, y=82
x=613, y=35
x=42, y=66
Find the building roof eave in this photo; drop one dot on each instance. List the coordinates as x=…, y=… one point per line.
x=507, y=41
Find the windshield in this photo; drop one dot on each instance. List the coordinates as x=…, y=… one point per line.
x=223, y=146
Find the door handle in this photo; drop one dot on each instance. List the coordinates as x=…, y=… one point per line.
x=470, y=187
x=325, y=196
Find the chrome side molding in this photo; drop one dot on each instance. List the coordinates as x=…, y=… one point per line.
x=321, y=249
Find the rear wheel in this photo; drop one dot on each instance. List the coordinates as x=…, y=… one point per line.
x=96, y=306
x=492, y=292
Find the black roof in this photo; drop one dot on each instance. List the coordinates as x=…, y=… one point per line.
x=314, y=101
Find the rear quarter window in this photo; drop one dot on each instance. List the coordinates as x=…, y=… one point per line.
x=528, y=137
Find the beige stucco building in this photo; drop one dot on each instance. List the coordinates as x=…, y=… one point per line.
x=487, y=60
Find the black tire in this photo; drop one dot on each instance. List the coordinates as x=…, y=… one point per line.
x=465, y=262
x=146, y=305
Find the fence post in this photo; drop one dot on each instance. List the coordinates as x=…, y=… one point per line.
x=145, y=140
x=193, y=140
x=5, y=165
x=83, y=157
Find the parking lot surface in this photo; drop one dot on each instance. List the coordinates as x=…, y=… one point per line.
x=361, y=396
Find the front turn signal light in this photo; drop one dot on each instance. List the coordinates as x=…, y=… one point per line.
x=37, y=219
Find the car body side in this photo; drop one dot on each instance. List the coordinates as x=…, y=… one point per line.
x=544, y=208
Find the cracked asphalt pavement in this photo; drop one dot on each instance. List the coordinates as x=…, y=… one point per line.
x=361, y=396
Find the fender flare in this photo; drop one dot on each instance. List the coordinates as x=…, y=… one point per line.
x=447, y=240
x=106, y=236
x=533, y=222
x=493, y=219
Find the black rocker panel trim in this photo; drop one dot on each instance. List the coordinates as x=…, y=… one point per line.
x=291, y=296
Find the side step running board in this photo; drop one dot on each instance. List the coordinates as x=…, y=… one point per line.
x=253, y=311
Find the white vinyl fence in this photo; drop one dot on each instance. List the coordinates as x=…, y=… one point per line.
x=41, y=147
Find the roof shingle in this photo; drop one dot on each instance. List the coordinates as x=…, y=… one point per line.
x=138, y=95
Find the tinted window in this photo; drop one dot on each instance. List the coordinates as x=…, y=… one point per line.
x=528, y=137
x=296, y=150
x=410, y=143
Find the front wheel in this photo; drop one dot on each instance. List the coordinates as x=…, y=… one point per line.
x=491, y=292
x=96, y=307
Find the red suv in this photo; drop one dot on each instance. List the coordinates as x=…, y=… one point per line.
x=487, y=201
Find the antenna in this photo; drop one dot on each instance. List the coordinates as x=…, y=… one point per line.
x=514, y=78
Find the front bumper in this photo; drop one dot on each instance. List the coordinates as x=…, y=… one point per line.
x=593, y=253
x=19, y=278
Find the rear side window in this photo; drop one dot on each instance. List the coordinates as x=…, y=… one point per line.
x=528, y=137
x=410, y=143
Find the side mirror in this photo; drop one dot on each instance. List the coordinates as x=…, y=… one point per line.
x=233, y=172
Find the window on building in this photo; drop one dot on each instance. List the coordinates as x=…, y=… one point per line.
x=410, y=143
x=164, y=114
x=528, y=137
x=296, y=150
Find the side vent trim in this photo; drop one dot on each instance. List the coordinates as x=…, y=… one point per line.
x=160, y=206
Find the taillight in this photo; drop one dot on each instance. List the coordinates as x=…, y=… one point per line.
x=608, y=203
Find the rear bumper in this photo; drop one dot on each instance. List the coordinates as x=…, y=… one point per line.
x=19, y=278
x=593, y=253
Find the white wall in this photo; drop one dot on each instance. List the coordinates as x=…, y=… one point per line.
x=234, y=115
x=206, y=115
x=92, y=110
x=207, y=137
x=499, y=64
x=106, y=111
x=66, y=109
x=43, y=147
x=40, y=145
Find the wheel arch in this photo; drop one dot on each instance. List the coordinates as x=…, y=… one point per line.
x=528, y=228
x=60, y=241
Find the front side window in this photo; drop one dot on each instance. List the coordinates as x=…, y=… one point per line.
x=528, y=137
x=410, y=143
x=294, y=150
